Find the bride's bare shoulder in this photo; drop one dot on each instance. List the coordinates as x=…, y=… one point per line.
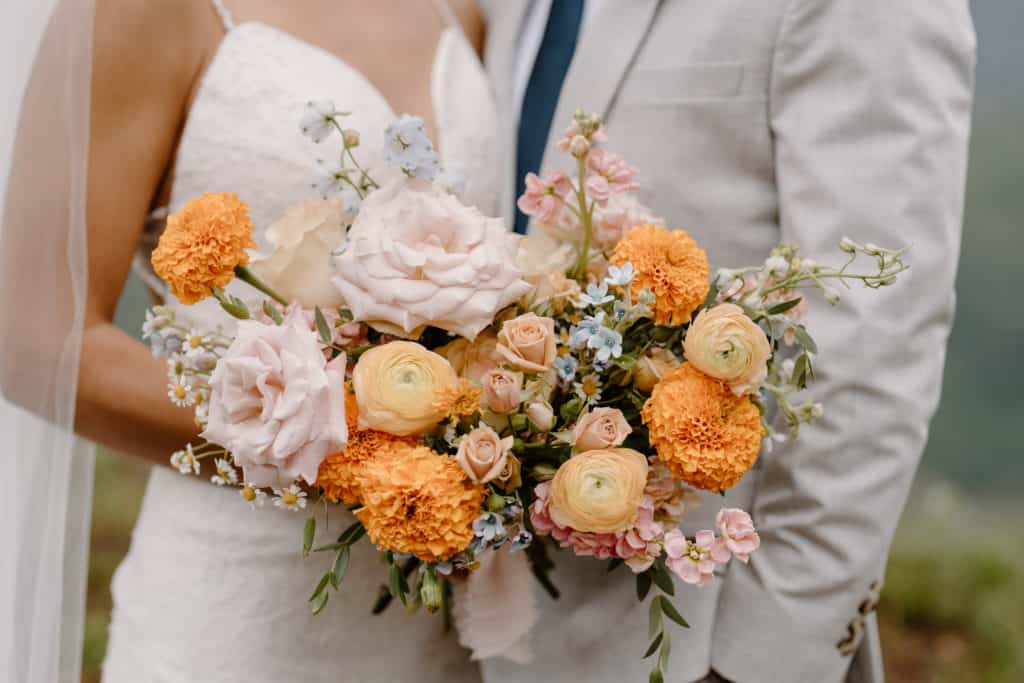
x=151, y=41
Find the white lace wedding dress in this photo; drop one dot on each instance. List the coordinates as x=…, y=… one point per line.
x=212, y=591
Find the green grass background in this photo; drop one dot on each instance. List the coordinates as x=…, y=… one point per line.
x=952, y=608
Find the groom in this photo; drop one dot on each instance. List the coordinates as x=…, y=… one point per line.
x=751, y=123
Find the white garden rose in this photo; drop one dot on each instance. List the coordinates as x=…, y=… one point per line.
x=298, y=265
x=417, y=257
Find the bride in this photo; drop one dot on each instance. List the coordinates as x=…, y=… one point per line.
x=198, y=96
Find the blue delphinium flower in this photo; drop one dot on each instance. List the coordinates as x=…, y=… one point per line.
x=620, y=275
x=566, y=367
x=521, y=540
x=596, y=295
x=607, y=343
x=488, y=528
x=407, y=146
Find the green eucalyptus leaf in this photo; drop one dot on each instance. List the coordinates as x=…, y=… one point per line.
x=308, y=532
x=352, y=534
x=395, y=582
x=654, y=621
x=271, y=310
x=654, y=645
x=666, y=650
x=805, y=339
x=672, y=613
x=340, y=566
x=784, y=306
x=320, y=587
x=320, y=602
x=662, y=579
x=643, y=585
x=321, y=326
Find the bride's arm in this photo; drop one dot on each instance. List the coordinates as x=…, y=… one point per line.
x=146, y=57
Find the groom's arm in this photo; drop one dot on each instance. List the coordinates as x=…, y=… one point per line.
x=870, y=109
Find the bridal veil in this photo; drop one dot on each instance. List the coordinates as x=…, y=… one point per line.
x=45, y=74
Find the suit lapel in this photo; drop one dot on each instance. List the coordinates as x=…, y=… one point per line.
x=603, y=56
x=502, y=48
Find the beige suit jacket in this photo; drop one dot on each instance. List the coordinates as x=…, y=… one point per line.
x=751, y=123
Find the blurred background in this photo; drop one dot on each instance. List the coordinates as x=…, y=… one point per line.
x=953, y=604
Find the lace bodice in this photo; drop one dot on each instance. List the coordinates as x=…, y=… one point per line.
x=242, y=133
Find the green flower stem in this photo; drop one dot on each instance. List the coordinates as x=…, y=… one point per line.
x=579, y=272
x=247, y=276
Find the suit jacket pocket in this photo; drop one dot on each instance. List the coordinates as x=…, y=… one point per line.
x=684, y=83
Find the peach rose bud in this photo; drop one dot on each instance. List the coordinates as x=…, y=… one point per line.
x=541, y=416
x=502, y=390
x=725, y=344
x=484, y=455
x=600, y=428
x=528, y=342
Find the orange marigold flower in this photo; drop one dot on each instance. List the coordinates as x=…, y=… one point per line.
x=705, y=434
x=341, y=474
x=671, y=265
x=417, y=501
x=460, y=399
x=202, y=245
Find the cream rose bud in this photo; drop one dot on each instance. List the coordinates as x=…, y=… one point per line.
x=298, y=266
x=725, y=344
x=417, y=257
x=541, y=416
x=652, y=366
x=502, y=390
x=398, y=387
x=600, y=428
x=276, y=403
x=599, y=491
x=528, y=342
x=483, y=455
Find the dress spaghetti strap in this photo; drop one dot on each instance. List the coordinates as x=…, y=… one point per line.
x=224, y=13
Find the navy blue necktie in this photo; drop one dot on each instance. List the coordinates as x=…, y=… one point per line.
x=541, y=98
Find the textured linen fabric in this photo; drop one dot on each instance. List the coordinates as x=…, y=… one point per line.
x=752, y=123
x=211, y=591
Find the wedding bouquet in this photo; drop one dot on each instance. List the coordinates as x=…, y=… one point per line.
x=477, y=399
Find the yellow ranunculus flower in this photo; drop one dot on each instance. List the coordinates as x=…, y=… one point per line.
x=599, y=491
x=399, y=386
x=725, y=344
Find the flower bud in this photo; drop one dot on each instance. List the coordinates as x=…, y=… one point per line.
x=351, y=136
x=431, y=592
x=495, y=502
x=517, y=422
x=847, y=245
x=541, y=416
x=872, y=249
x=776, y=265
x=544, y=472
x=831, y=295
x=579, y=147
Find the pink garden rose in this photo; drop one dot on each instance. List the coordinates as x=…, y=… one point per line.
x=417, y=257
x=600, y=428
x=502, y=390
x=276, y=403
x=738, y=534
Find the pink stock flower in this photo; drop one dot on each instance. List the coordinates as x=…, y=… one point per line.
x=613, y=168
x=598, y=188
x=542, y=198
x=738, y=534
x=694, y=561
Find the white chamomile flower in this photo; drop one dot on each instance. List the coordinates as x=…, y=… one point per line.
x=195, y=345
x=226, y=473
x=154, y=322
x=253, y=496
x=176, y=367
x=589, y=388
x=185, y=461
x=292, y=498
x=181, y=394
x=317, y=120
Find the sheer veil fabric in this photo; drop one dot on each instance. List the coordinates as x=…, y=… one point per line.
x=45, y=71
